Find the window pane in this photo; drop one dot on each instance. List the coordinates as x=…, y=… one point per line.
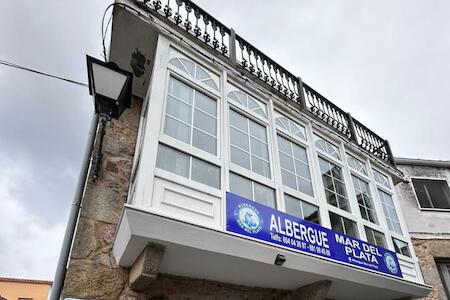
x=179, y=110
x=336, y=223
x=259, y=149
x=327, y=147
x=334, y=188
x=205, y=173
x=432, y=193
x=239, y=139
x=248, y=101
x=260, y=166
x=289, y=179
x=380, y=178
x=302, y=209
x=305, y=186
x=293, y=206
x=251, y=190
x=241, y=186
x=289, y=125
x=240, y=157
x=375, y=237
x=205, y=122
x=238, y=121
x=249, y=136
x=264, y=195
x=173, y=161
x=182, y=125
x=401, y=247
x=357, y=165
x=310, y=212
x=365, y=201
x=350, y=228
x=294, y=163
x=258, y=131
x=389, y=212
x=180, y=90
x=206, y=104
x=178, y=130
x=204, y=141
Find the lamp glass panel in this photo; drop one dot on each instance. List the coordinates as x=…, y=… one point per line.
x=108, y=82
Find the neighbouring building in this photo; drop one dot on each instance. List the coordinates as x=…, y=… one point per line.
x=231, y=178
x=424, y=198
x=24, y=289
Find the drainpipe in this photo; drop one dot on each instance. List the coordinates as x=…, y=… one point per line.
x=60, y=273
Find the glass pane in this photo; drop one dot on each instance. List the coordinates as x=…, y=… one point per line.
x=331, y=198
x=300, y=153
x=293, y=206
x=259, y=149
x=206, y=104
x=336, y=223
x=180, y=90
x=305, y=186
x=201, y=73
x=310, y=212
x=239, y=139
x=241, y=186
x=205, y=173
x=238, y=121
x=205, y=122
x=287, y=162
x=328, y=182
x=173, y=161
x=177, y=130
x=264, y=195
x=343, y=203
x=432, y=193
x=401, y=247
x=369, y=235
x=240, y=158
x=302, y=169
x=179, y=110
x=289, y=179
x=211, y=83
x=258, y=131
x=284, y=145
x=260, y=166
x=189, y=66
x=380, y=239
x=204, y=141
x=350, y=228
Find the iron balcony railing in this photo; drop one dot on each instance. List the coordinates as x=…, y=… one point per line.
x=219, y=39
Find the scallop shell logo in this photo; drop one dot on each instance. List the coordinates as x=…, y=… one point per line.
x=248, y=218
x=390, y=262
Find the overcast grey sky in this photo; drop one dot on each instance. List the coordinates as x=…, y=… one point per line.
x=386, y=62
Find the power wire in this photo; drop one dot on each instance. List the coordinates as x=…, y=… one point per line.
x=13, y=65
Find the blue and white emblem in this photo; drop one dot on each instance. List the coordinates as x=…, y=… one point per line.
x=390, y=262
x=248, y=218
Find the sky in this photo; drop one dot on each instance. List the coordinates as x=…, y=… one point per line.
x=386, y=62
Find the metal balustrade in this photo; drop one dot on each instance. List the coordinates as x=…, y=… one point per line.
x=206, y=30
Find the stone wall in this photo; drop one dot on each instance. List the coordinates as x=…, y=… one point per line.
x=427, y=250
x=92, y=272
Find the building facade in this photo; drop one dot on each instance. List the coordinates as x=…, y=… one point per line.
x=424, y=198
x=24, y=289
x=231, y=178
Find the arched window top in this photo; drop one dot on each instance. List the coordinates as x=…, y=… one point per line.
x=193, y=69
x=290, y=126
x=249, y=102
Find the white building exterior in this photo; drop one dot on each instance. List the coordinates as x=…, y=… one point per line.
x=207, y=128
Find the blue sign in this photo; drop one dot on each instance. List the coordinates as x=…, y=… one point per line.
x=260, y=222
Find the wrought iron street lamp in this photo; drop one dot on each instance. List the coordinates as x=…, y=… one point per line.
x=110, y=86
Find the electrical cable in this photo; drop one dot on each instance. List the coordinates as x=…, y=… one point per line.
x=13, y=65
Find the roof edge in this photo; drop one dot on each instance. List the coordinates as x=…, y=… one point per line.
x=422, y=162
x=22, y=280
